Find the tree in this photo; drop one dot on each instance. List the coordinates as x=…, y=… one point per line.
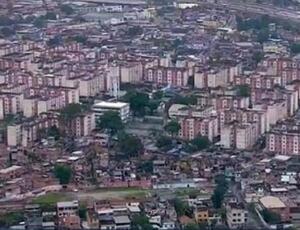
x=172, y=128
x=182, y=208
x=243, y=91
x=263, y=36
x=191, y=227
x=158, y=95
x=146, y=166
x=164, y=143
x=40, y=22
x=53, y=131
x=138, y=102
x=110, y=121
x=54, y=41
x=63, y=174
x=130, y=145
x=82, y=212
x=187, y=100
x=141, y=222
x=50, y=16
x=271, y=217
x=295, y=48
x=71, y=111
x=220, y=191
x=5, y=21
x=200, y=143
x=80, y=39
x=7, y=32
x=66, y=9
x=134, y=31
x=152, y=106
x=258, y=57
x=191, y=81
x=11, y=218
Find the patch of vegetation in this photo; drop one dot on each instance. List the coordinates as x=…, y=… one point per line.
x=49, y=201
x=63, y=173
x=11, y=218
x=243, y=90
x=220, y=191
x=271, y=217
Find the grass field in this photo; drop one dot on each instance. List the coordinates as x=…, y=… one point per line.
x=115, y=193
x=51, y=199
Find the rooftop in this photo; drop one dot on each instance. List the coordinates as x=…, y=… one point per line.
x=114, y=105
x=272, y=202
x=10, y=169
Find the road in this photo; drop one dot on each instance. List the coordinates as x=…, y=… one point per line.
x=272, y=11
x=118, y=2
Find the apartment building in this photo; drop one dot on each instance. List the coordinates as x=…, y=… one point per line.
x=67, y=208
x=236, y=215
x=283, y=142
x=131, y=72
x=122, y=108
x=11, y=103
x=172, y=76
x=211, y=78
x=240, y=136
x=246, y=135
x=27, y=132
x=82, y=125
x=245, y=116
x=179, y=110
x=191, y=127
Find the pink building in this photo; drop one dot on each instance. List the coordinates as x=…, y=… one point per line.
x=167, y=76
x=192, y=127
x=283, y=142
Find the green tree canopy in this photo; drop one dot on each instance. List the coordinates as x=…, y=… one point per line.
x=53, y=131
x=243, y=90
x=295, y=48
x=172, y=127
x=191, y=227
x=66, y=9
x=63, y=173
x=80, y=39
x=71, y=111
x=158, y=95
x=200, y=143
x=50, y=15
x=7, y=31
x=271, y=217
x=110, y=121
x=55, y=41
x=130, y=145
x=182, y=208
x=140, y=222
x=11, y=218
x=5, y=21
x=134, y=31
x=220, y=191
x=146, y=166
x=164, y=143
x=185, y=100
x=40, y=22
x=138, y=102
